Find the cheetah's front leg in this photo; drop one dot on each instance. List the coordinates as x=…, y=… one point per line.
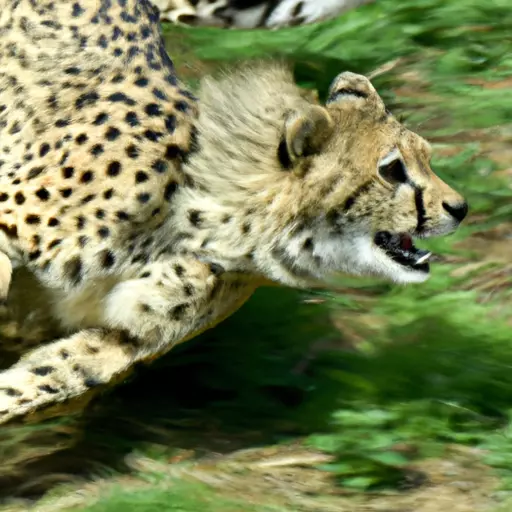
x=63, y=370
x=144, y=318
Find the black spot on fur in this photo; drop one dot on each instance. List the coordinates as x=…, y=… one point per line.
x=68, y=172
x=112, y=133
x=73, y=269
x=181, y=106
x=44, y=149
x=158, y=93
x=81, y=139
x=308, y=244
x=143, y=197
x=32, y=219
x=170, y=123
x=141, y=82
x=153, y=135
x=86, y=99
x=153, y=109
x=195, y=217
x=141, y=177
x=160, y=166
x=34, y=255
x=12, y=392
x=120, y=97
x=170, y=190
x=43, y=370
x=121, y=215
x=101, y=119
x=177, y=312
x=10, y=231
x=80, y=222
x=172, y=151
x=77, y=11
x=97, y=150
x=43, y=194
x=86, y=177
x=46, y=388
x=113, y=169
x=91, y=382
x=132, y=151
x=54, y=243
x=132, y=119
x=34, y=172
x=107, y=258
x=83, y=240
x=103, y=232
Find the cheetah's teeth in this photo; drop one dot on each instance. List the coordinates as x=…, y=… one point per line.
x=423, y=259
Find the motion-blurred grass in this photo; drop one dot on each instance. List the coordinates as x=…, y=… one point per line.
x=376, y=376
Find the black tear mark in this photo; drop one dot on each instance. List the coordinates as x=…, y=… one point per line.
x=420, y=208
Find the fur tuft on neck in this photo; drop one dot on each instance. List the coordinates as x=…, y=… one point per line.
x=240, y=125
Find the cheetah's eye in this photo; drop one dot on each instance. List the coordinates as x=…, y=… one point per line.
x=393, y=171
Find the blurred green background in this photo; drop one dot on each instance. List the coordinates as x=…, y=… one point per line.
x=374, y=396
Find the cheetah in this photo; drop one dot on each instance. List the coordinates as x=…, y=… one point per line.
x=148, y=216
x=250, y=14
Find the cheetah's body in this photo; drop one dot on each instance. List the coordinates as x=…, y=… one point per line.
x=145, y=223
x=248, y=14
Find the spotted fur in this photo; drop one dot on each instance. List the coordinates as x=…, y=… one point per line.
x=135, y=220
x=248, y=14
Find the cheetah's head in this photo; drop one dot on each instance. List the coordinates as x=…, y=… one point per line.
x=361, y=189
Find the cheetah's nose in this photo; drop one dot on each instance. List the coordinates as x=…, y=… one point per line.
x=458, y=211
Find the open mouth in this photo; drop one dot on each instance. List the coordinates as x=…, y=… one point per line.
x=400, y=248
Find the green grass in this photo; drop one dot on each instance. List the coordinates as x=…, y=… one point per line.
x=183, y=498
x=424, y=366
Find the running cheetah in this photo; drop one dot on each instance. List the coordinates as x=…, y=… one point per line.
x=147, y=216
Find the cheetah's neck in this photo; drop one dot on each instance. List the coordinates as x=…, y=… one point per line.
x=232, y=213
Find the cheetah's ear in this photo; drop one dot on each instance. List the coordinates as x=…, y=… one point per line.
x=351, y=86
x=305, y=133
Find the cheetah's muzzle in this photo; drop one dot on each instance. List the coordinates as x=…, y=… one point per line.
x=400, y=248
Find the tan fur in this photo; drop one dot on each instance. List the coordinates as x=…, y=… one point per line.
x=5, y=275
x=136, y=220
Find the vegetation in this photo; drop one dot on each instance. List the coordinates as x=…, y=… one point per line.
x=376, y=397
